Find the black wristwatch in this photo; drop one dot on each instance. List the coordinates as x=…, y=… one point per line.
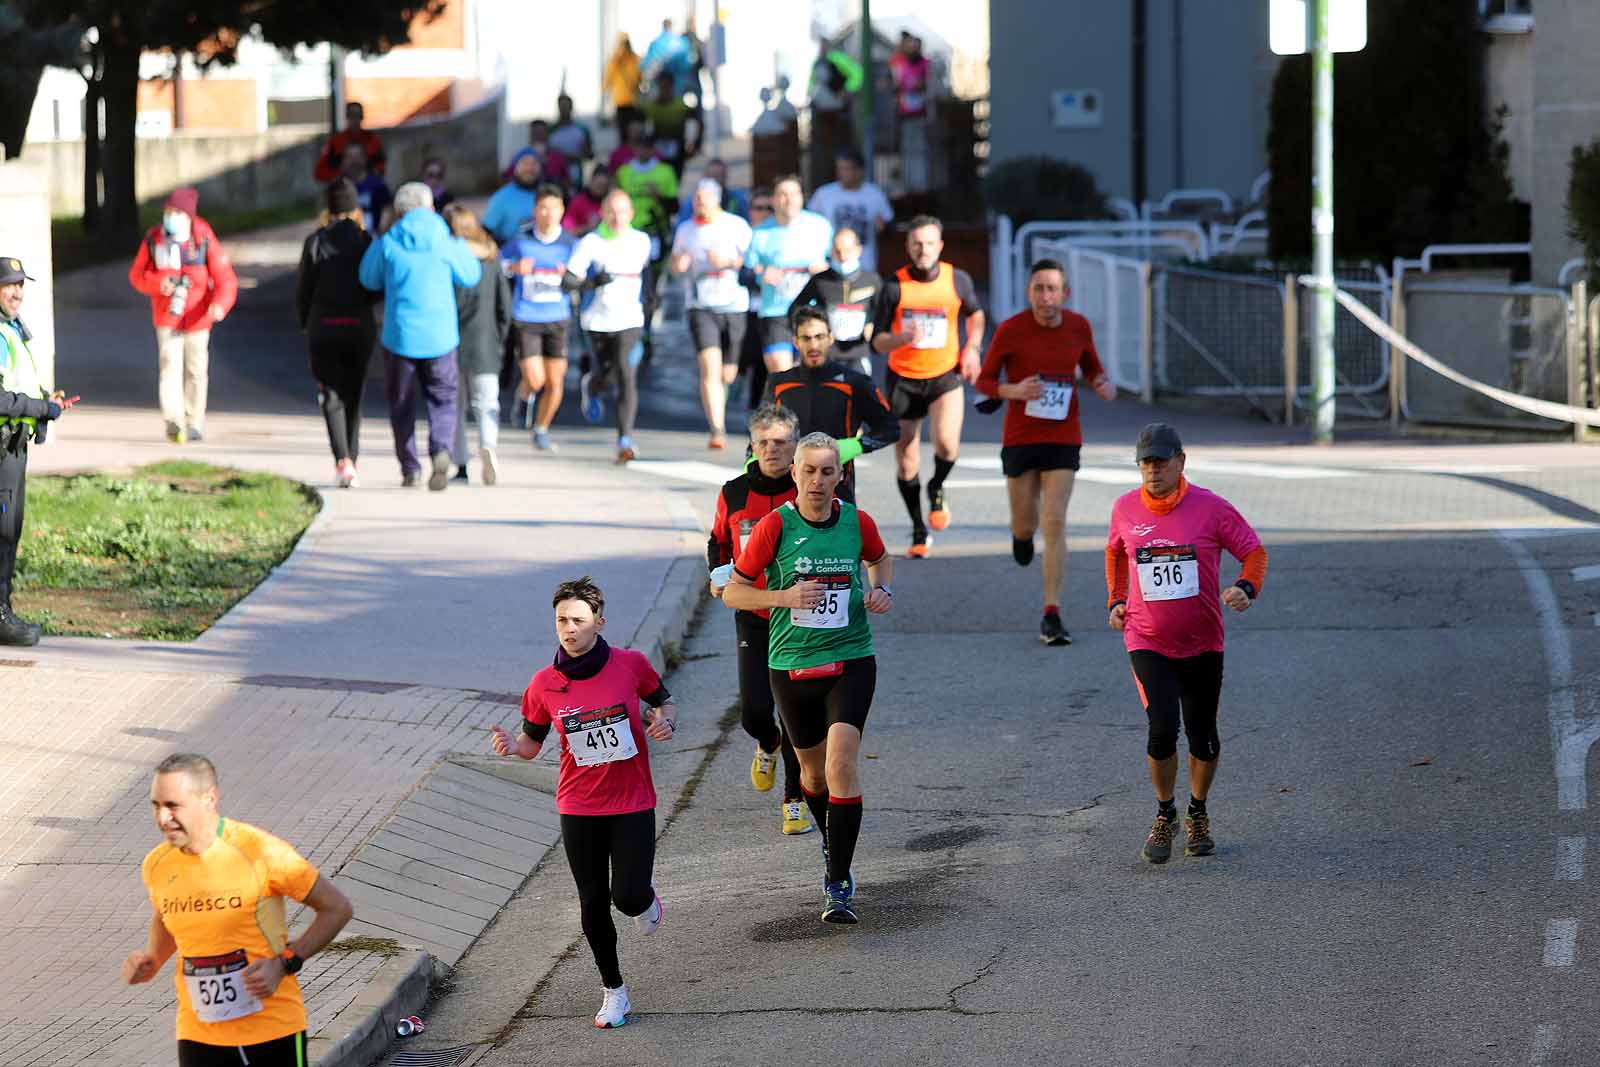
x=886, y=589
x=291, y=962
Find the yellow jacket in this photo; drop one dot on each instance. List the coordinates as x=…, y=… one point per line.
x=621, y=81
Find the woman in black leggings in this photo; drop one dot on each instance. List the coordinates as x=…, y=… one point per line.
x=604, y=794
x=336, y=314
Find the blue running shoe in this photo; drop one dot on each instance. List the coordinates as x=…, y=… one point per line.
x=840, y=907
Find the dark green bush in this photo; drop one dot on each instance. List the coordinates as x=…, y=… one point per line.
x=1028, y=188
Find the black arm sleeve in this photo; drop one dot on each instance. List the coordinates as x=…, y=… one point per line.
x=965, y=290
x=538, y=731
x=305, y=284
x=658, y=698
x=879, y=426
x=713, y=552
x=571, y=283
x=811, y=294
x=23, y=406
x=888, y=304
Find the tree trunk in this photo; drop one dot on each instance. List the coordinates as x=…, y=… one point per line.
x=91, y=146
x=119, y=85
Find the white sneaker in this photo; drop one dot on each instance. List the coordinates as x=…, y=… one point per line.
x=491, y=469
x=649, y=920
x=613, y=1010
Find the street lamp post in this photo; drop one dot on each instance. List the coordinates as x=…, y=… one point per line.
x=1322, y=356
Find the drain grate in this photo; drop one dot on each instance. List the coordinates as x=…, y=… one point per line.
x=459, y=1056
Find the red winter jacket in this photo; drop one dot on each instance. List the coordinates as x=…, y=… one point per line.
x=211, y=277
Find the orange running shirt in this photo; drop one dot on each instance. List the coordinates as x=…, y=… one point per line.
x=937, y=306
x=225, y=909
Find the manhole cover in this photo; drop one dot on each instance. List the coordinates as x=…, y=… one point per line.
x=459, y=1056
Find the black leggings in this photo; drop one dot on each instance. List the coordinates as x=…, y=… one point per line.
x=1195, y=683
x=756, y=705
x=282, y=1052
x=614, y=356
x=612, y=857
x=339, y=357
x=810, y=706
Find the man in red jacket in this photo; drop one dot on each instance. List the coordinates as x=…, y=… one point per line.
x=182, y=268
x=330, y=163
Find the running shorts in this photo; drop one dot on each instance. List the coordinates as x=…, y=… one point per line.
x=910, y=398
x=1016, y=460
x=287, y=1051
x=810, y=706
x=547, y=339
x=717, y=329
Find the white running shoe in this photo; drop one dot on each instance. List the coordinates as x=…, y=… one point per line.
x=613, y=1010
x=649, y=920
x=491, y=467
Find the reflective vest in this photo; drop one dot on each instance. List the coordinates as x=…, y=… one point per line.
x=20, y=373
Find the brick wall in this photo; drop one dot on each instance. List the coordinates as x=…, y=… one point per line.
x=391, y=101
x=208, y=103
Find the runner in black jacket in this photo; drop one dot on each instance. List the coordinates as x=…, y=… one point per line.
x=832, y=398
x=336, y=314
x=848, y=295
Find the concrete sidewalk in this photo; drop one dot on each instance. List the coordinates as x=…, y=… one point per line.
x=402, y=626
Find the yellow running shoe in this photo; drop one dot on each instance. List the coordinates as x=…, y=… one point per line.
x=763, y=769
x=796, y=819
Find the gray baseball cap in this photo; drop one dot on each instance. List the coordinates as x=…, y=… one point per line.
x=11, y=271
x=1157, y=441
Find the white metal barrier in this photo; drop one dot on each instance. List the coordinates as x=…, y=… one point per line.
x=1008, y=286
x=1113, y=293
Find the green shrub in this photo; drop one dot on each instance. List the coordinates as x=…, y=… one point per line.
x=1029, y=188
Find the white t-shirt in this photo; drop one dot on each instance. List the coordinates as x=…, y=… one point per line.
x=617, y=305
x=860, y=209
x=714, y=290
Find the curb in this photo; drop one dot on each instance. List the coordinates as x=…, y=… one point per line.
x=319, y=523
x=361, y=1032
x=364, y=1030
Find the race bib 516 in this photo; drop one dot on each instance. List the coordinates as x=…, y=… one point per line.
x=1168, y=572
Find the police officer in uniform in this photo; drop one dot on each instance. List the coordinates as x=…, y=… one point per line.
x=25, y=410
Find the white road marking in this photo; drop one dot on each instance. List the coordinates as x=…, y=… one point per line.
x=1544, y=1043
x=1569, y=858
x=1561, y=943
x=689, y=470
x=1570, y=739
x=1586, y=574
x=1284, y=471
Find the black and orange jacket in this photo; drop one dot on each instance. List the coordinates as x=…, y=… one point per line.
x=743, y=502
x=837, y=401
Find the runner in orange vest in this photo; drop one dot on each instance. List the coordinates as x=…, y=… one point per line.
x=917, y=325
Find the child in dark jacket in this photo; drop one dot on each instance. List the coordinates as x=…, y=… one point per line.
x=484, y=312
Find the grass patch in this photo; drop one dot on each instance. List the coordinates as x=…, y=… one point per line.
x=71, y=247
x=386, y=947
x=158, y=553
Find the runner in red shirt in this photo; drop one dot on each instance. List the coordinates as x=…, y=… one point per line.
x=1042, y=351
x=765, y=485
x=1171, y=535
x=604, y=794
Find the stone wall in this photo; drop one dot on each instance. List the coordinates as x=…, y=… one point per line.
x=263, y=170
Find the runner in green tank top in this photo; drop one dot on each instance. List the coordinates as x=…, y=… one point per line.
x=820, y=654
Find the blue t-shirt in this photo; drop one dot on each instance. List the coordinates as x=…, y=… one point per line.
x=793, y=249
x=538, y=296
x=509, y=207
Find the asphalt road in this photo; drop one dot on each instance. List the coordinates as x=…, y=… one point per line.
x=1397, y=880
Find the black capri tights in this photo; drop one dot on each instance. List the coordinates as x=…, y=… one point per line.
x=1195, y=683
x=756, y=705
x=611, y=857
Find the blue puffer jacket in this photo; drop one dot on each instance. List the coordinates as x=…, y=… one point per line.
x=418, y=264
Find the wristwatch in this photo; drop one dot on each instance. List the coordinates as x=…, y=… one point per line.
x=886, y=589
x=291, y=962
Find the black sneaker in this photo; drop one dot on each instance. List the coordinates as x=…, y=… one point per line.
x=16, y=631
x=460, y=475
x=1022, y=550
x=1051, y=632
x=410, y=479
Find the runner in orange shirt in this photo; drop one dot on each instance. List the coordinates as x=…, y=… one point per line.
x=218, y=887
x=917, y=325
x=1041, y=352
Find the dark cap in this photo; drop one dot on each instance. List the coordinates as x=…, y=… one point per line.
x=11, y=271
x=340, y=196
x=1157, y=441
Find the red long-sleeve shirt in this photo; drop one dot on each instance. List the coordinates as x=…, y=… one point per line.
x=1022, y=348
